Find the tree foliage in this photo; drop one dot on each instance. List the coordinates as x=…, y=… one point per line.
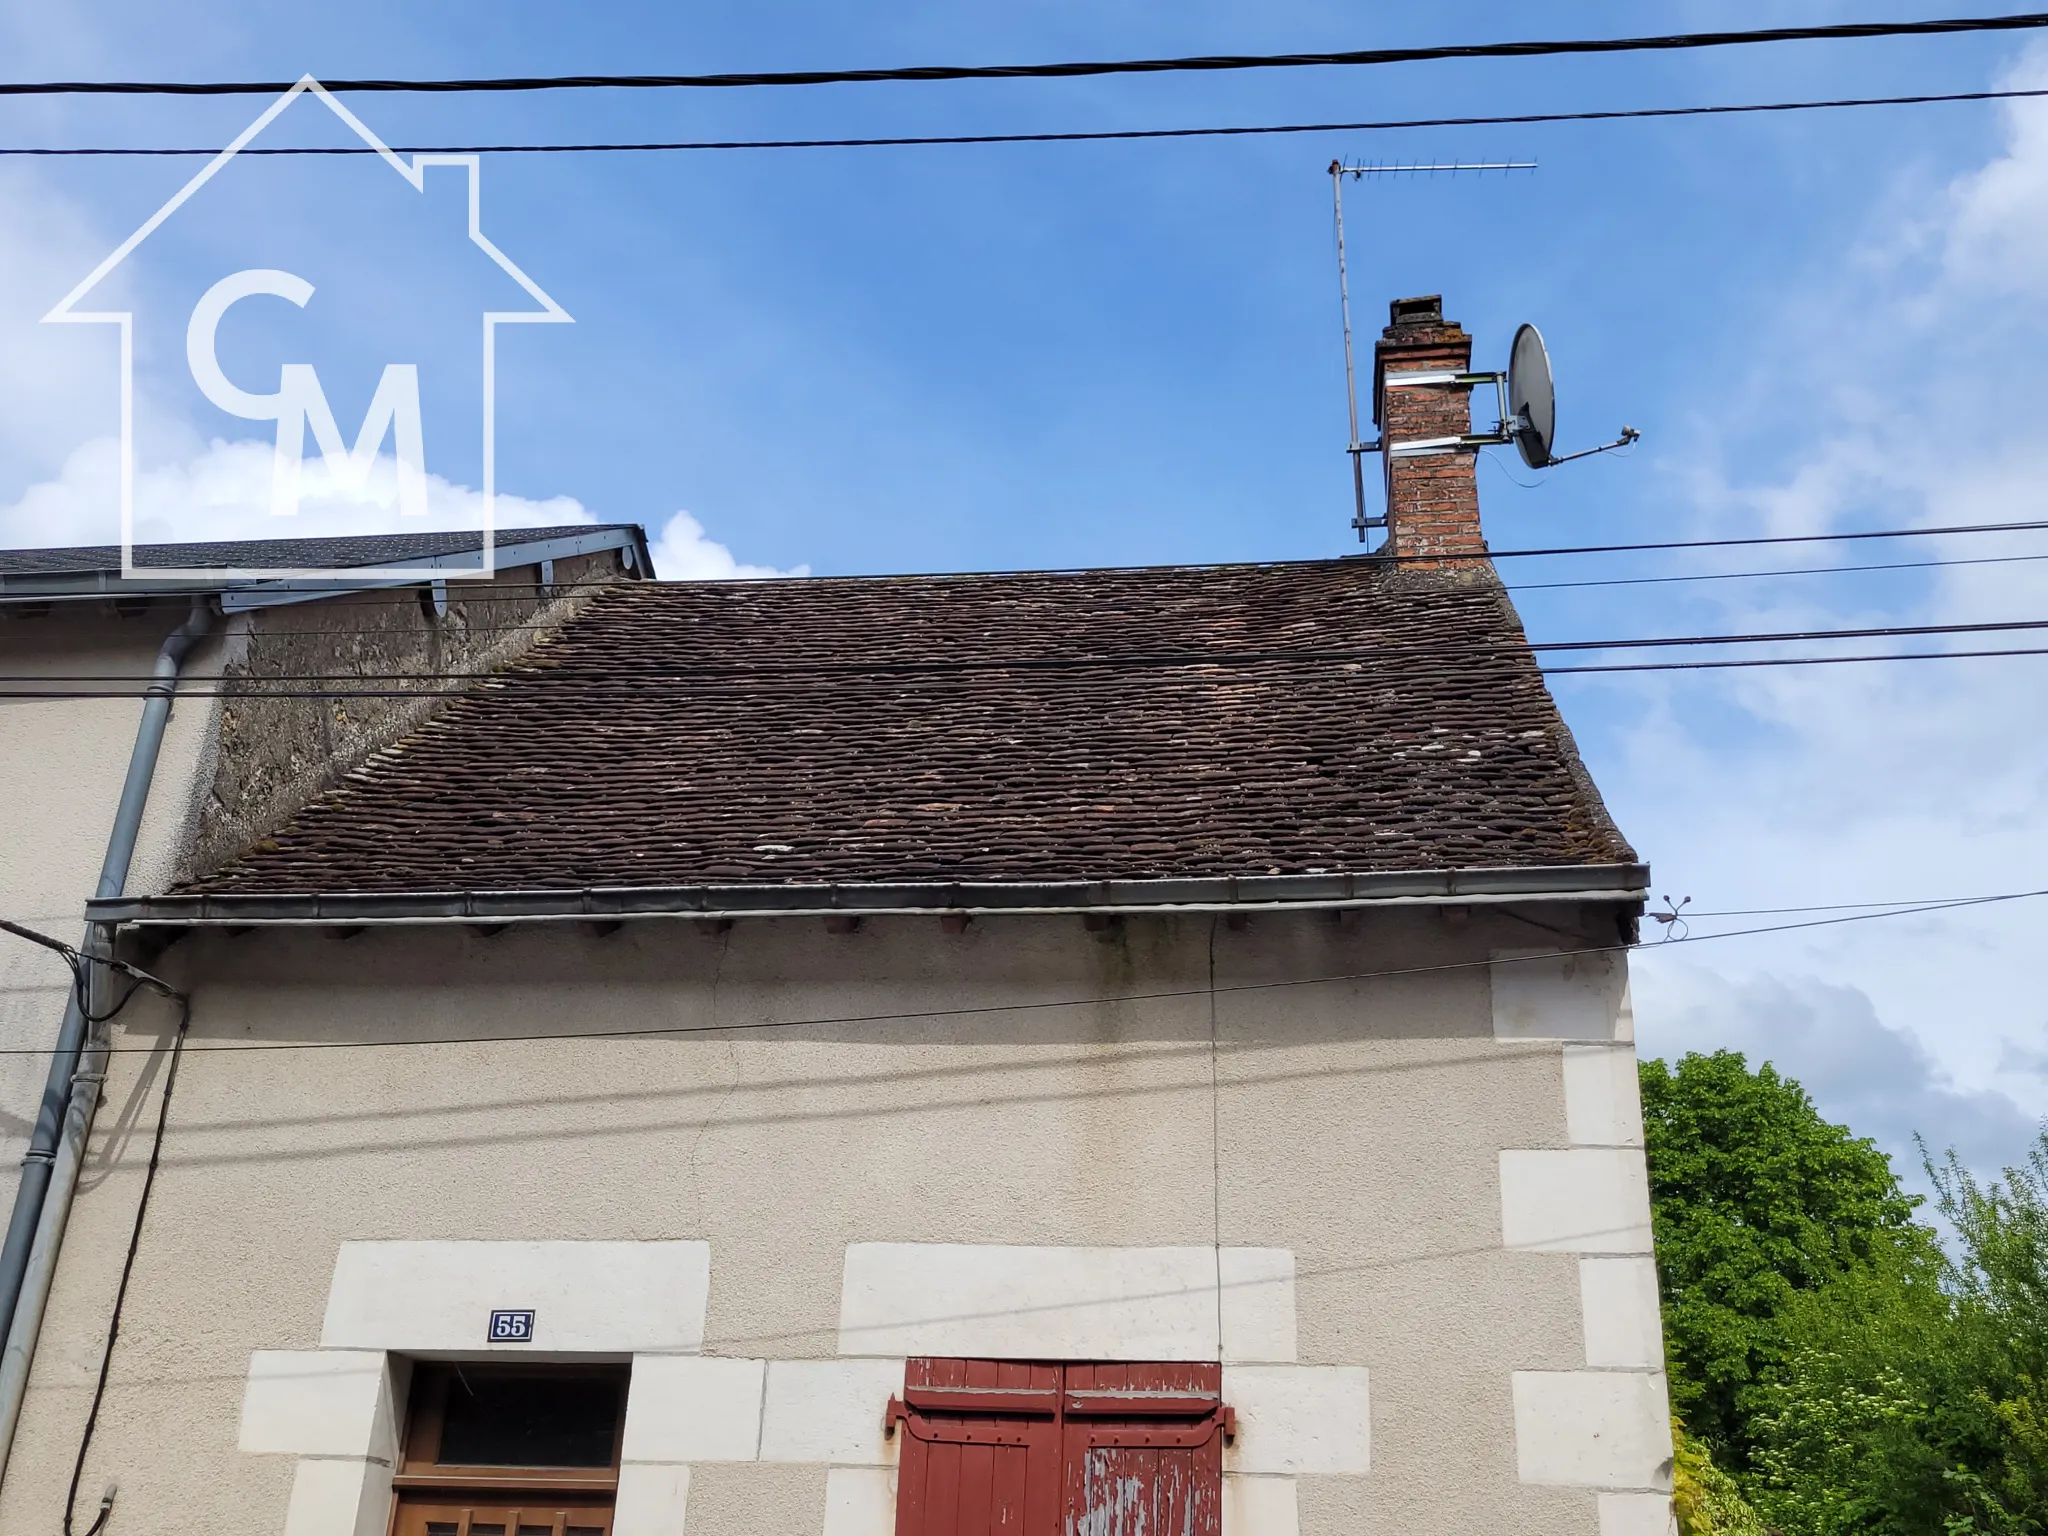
x=1755, y=1199
x=1705, y=1499
x=1872, y=1382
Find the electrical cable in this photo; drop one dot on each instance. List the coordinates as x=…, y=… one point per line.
x=22, y=931
x=1649, y=581
x=156, y=1152
x=1794, y=661
x=1734, y=543
x=1096, y=1001
x=1075, y=136
x=1215, y=1124
x=610, y=672
x=1534, y=48
x=1837, y=906
x=140, y=978
x=733, y=690
x=76, y=959
x=475, y=628
x=492, y=593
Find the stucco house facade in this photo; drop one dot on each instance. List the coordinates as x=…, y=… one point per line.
x=80, y=644
x=1100, y=1052
x=101, y=791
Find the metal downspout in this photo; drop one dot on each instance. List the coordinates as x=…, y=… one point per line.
x=28, y=1257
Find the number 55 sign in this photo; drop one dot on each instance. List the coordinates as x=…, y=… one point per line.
x=511, y=1328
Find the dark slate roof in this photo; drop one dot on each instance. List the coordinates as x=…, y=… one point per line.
x=281, y=554
x=1325, y=717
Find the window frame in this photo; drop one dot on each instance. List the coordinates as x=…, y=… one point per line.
x=418, y=1470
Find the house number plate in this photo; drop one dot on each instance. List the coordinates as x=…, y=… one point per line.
x=511, y=1327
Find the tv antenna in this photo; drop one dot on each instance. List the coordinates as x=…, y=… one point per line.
x=1526, y=393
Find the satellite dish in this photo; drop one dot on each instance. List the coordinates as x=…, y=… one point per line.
x=1532, y=400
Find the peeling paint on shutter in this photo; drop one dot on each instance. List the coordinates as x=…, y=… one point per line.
x=1144, y=1450
x=1001, y=1448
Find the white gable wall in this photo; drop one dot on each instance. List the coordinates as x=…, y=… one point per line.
x=783, y=1213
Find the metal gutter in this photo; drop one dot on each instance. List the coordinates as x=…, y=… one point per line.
x=240, y=593
x=274, y=594
x=1617, y=883
x=49, y=1170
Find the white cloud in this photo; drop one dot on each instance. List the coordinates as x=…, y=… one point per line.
x=1999, y=219
x=684, y=552
x=57, y=383
x=223, y=492
x=1880, y=1081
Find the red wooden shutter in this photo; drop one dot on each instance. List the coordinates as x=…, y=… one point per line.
x=1144, y=1450
x=998, y=1448
x=981, y=1449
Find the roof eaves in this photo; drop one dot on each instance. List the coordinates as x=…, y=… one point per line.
x=276, y=594
x=1626, y=884
x=245, y=592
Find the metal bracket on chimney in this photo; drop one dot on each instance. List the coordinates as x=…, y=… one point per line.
x=1412, y=377
x=1464, y=442
x=1467, y=442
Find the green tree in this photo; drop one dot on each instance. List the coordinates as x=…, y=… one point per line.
x=1993, y=1439
x=1703, y=1497
x=1842, y=1427
x=1907, y=1400
x=1756, y=1200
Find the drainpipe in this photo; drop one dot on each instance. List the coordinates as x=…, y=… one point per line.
x=49, y=1171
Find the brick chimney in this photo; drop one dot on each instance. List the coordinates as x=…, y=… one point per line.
x=1432, y=497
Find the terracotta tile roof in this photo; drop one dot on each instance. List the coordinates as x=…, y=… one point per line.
x=1335, y=716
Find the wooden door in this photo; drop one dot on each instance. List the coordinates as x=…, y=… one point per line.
x=473, y=1516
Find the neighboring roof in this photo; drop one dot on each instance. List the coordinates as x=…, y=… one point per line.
x=366, y=549
x=1327, y=719
x=97, y=567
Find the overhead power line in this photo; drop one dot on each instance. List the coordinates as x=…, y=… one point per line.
x=1787, y=661
x=1735, y=543
x=509, y=591
x=478, y=623
x=1797, y=570
x=1077, y=136
x=642, y=1032
x=1206, y=63
x=1689, y=913
x=612, y=672
x=246, y=695
x=478, y=626
x=734, y=682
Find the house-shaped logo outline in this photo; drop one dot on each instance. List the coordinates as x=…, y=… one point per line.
x=414, y=172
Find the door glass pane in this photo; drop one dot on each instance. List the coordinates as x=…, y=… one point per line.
x=418, y=1518
x=494, y=1420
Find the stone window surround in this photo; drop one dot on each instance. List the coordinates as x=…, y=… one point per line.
x=339, y=1408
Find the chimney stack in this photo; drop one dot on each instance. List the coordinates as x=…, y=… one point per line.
x=1432, y=495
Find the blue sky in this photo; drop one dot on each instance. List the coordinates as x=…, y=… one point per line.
x=941, y=359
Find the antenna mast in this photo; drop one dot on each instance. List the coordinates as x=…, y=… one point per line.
x=1338, y=171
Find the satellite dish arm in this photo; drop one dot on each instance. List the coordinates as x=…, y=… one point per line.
x=1629, y=436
